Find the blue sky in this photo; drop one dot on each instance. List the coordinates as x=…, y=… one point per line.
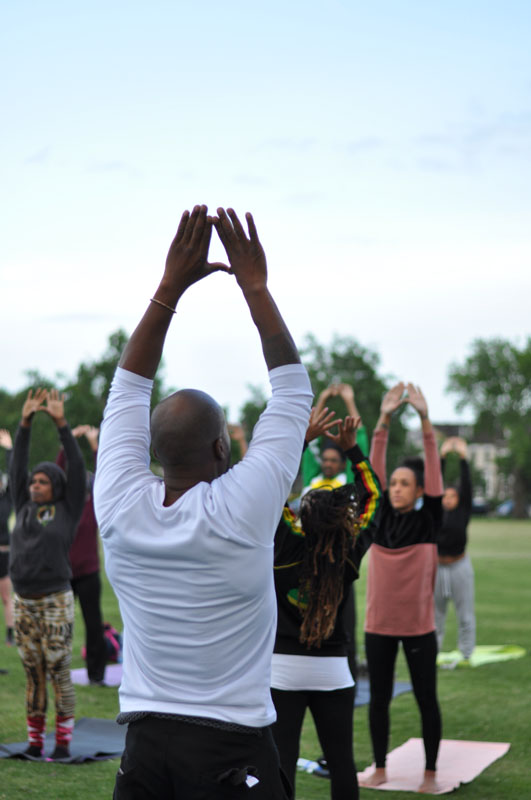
x=384, y=150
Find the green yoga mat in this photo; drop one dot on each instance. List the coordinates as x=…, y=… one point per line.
x=483, y=654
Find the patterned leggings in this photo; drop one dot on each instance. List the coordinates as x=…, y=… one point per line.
x=43, y=635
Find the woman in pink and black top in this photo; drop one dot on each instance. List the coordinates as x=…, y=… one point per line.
x=401, y=579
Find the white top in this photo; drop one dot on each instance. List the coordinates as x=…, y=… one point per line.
x=194, y=580
x=310, y=673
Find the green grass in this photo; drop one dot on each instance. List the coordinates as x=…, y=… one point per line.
x=490, y=703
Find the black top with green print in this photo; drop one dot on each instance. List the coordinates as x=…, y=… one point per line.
x=41, y=538
x=289, y=554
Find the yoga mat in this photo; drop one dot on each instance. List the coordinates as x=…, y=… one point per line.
x=483, y=654
x=113, y=675
x=458, y=762
x=363, y=693
x=93, y=740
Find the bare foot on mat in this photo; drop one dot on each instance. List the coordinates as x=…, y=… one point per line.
x=429, y=785
x=378, y=777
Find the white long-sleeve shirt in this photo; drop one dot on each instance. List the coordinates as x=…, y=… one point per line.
x=194, y=580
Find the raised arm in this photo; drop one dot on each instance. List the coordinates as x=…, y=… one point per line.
x=186, y=264
x=248, y=264
x=18, y=468
x=392, y=400
x=433, y=485
x=368, y=487
x=465, y=482
x=7, y=443
x=346, y=392
x=237, y=434
x=75, y=472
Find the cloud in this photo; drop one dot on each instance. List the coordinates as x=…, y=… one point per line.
x=106, y=167
x=364, y=144
x=80, y=317
x=250, y=180
x=39, y=157
x=285, y=143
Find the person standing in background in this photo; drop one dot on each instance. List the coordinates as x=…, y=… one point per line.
x=85, y=563
x=455, y=574
x=6, y=589
x=48, y=508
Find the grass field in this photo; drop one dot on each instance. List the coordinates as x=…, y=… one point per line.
x=490, y=703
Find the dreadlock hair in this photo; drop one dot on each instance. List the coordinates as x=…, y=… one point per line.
x=330, y=523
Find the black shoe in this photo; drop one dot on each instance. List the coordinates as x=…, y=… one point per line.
x=32, y=751
x=98, y=683
x=60, y=753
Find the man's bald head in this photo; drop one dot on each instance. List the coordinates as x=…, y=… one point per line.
x=185, y=428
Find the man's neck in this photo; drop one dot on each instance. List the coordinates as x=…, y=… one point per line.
x=178, y=483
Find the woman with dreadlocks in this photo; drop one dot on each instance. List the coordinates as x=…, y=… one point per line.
x=400, y=583
x=315, y=563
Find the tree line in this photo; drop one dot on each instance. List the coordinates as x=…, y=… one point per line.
x=494, y=382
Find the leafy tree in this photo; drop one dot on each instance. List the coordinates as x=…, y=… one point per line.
x=495, y=382
x=344, y=361
x=86, y=394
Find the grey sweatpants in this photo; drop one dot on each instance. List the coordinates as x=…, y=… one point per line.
x=456, y=582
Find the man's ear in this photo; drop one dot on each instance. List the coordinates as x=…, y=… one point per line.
x=220, y=449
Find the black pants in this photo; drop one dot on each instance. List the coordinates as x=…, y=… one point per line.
x=88, y=589
x=349, y=625
x=421, y=656
x=175, y=760
x=333, y=714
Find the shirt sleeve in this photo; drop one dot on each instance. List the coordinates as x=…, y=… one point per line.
x=369, y=493
x=433, y=484
x=254, y=490
x=123, y=451
x=465, y=487
x=378, y=455
x=75, y=472
x=18, y=468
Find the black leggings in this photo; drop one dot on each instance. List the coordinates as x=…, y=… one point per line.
x=421, y=656
x=333, y=714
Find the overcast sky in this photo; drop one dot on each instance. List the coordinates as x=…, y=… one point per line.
x=384, y=149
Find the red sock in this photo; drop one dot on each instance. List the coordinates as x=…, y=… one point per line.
x=64, y=727
x=36, y=731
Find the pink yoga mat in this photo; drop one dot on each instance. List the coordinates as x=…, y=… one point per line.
x=458, y=762
x=113, y=675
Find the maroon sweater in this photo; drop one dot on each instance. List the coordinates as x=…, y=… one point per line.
x=84, y=554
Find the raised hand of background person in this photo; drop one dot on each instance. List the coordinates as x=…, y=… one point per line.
x=187, y=259
x=330, y=391
x=392, y=399
x=447, y=447
x=416, y=399
x=5, y=439
x=55, y=407
x=80, y=430
x=346, y=393
x=92, y=435
x=32, y=404
x=320, y=423
x=246, y=255
x=461, y=447
x=345, y=438
x=237, y=434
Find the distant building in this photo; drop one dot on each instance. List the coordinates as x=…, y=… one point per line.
x=484, y=455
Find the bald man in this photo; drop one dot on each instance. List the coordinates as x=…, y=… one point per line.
x=190, y=556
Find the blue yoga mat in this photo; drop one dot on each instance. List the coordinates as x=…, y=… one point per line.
x=93, y=740
x=363, y=693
